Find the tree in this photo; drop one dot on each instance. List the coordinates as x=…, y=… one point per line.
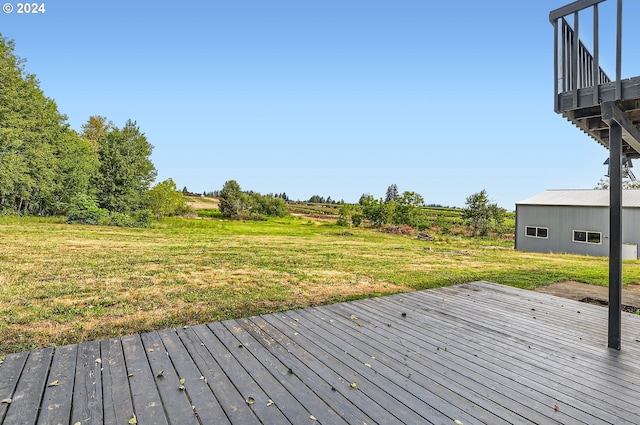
x=392, y=193
x=125, y=171
x=234, y=203
x=42, y=161
x=374, y=211
x=603, y=184
x=231, y=200
x=349, y=215
x=406, y=208
x=165, y=199
x=479, y=213
x=96, y=128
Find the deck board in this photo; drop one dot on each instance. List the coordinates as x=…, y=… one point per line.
x=474, y=353
x=56, y=403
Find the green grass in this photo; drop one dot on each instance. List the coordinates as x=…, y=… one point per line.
x=63, y=283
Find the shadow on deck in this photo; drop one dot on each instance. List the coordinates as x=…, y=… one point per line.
x=473, y=353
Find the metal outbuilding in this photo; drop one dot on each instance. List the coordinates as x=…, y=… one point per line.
x=576, y=221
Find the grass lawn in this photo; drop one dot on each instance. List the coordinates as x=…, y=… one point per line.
x=63, y=283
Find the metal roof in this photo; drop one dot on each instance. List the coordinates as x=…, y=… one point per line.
x=582, y=197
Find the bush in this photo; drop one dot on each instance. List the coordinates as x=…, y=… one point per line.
x=166, y=200
x=83, y=209
x=143, y=218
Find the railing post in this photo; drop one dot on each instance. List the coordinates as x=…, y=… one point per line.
x=574, y=60
x=619, y=52
x=556, y=83
x=596, y=57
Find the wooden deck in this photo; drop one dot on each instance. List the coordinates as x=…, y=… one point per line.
x=472, y=353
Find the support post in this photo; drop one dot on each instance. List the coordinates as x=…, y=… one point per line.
x=615, y=235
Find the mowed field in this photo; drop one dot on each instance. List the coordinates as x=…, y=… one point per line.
x=62, y=283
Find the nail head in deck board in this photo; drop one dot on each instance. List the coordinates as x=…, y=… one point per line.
x=175, y=401
x=146, y=399
x=10, y=371
x=87, y=392
x=118, y=408
x=25, y=402
x=56, y=403
x=231, y=400
x=206, y=405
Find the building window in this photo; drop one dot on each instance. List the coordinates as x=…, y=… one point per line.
x=537, y=232
x=584, y=236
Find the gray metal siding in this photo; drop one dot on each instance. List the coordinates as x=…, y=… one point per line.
x=561, y=222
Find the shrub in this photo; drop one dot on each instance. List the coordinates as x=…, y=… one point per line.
x=83, y=209
x=143, y=218
x=166, y=200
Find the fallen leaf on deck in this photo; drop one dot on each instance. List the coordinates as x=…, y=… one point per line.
x=7, y=400
x=133, y=420
x=250, y=400
x=354, y=385
x=313, y=418
x=161, y=373
x=269, y=403
x=54, y=383
x=98, y=360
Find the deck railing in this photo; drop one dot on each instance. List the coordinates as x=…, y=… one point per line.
x=575, y=67
x=577, y=70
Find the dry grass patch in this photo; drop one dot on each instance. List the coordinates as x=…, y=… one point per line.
x=64, y=283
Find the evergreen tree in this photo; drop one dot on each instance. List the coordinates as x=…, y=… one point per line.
x=392, y=193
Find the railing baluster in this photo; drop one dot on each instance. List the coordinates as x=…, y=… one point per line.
x=574, y=58
x=575, y=67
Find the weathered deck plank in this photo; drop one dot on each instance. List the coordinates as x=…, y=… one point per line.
x=56, y=403
x=117, y=404
x=474, y=353
x=26, y=399
x=144, y=393
x=10, y=372
x=86, y=406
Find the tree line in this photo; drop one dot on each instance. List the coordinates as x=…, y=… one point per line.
x=407, y=209
x=102, y=174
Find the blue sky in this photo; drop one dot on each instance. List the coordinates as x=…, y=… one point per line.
x=328, y=97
